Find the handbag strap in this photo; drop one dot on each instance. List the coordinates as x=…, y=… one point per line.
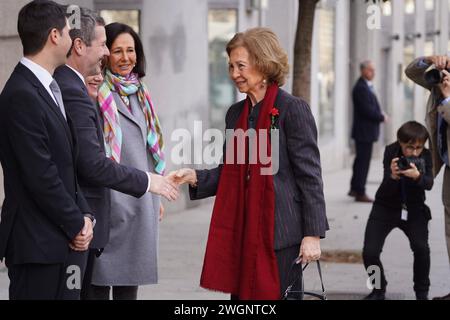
x=302, y=283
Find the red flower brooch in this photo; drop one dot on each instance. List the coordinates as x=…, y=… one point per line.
x=274, y=114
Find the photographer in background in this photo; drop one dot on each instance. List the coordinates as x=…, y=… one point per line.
x=437, y=119
x=400, y=203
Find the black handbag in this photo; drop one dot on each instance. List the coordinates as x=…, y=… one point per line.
x=292, y=293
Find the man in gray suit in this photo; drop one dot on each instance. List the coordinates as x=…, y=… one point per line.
x=437, y=119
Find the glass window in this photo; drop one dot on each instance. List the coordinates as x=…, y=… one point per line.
x=222, y=26
x=387, y=8
x=408, y=85
x=129, y=17
x=409, y=6
x=326, y=77
x=429, y=5
x=428, y=51
x=408, y=57
x=429, y=48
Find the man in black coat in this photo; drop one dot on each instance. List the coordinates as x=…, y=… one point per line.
x=96, y=172
x=367, y=116
x=46, y=224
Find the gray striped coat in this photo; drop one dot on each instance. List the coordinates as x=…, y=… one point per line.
x=299, y=199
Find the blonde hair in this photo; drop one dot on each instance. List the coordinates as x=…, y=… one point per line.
x=265, y=51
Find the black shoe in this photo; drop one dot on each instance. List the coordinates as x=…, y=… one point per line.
x=422, y=295
x=447, y=297
x=352, y=193
x=363, y=198
x=376, y=294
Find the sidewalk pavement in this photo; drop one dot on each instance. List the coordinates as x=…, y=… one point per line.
x=183, y=239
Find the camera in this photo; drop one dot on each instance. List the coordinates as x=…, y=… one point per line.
x=434, y=76
x=404, y=163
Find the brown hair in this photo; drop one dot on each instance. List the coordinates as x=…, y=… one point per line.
x=412, y=132
x=114, y=30
x=265, y=52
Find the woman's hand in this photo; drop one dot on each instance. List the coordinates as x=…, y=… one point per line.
x=310, y=249
x=395, y=171
x=183, y=176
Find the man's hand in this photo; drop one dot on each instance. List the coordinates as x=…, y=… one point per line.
x=395, y=171
x=440, y=62
x=164, y=186
x=186, y=175
x=310, y=249
x=84, y=238
x=412, y=173
x=445, y=85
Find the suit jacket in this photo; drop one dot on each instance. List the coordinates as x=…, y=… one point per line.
x=389, y=193
x=43, y=208
x=416, y=74
x=367, y=114
x=299, y=199
x=96, y=171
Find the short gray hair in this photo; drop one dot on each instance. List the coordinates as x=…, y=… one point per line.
x=364, y=64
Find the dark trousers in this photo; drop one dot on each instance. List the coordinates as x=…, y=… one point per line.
x=118, y=292
x=285, y=258
x=86, y=290
x=417, y=232
x=48, y=281
x=361, y=167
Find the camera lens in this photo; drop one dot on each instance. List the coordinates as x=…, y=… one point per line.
x=433, y=77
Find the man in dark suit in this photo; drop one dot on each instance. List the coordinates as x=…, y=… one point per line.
x=367, y=116
x=96, y=171
x=46, y=224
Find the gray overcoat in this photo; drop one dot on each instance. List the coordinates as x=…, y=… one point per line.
x=130, y=257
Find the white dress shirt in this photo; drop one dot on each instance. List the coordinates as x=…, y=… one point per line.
x=77, y=73
x=42, y=74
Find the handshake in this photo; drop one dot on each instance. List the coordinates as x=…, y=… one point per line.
x=165, y=186
x=168, y=186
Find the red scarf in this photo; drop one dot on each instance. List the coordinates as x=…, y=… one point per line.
x=240, y=257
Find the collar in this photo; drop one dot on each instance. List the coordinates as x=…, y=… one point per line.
x=369, y=83
x=41, y=73
x=77, y=73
